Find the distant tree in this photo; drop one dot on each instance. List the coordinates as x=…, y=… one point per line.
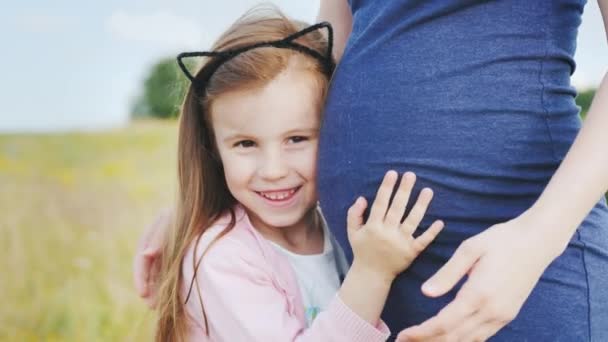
x=583, y=99
x=163, y=91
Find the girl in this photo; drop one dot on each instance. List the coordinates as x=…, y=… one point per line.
x=251, y=258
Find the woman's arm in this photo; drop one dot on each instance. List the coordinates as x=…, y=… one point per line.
x=337, y=12
x=579, y=182
x=505, y=262
x=582, y=178
x=146, y=261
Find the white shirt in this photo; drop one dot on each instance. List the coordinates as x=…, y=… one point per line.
x=318, y=275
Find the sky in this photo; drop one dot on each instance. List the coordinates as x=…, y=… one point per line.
x=79, y=65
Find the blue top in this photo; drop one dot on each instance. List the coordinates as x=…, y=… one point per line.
x=475, y=98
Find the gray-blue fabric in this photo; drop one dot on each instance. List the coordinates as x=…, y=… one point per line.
x=475, y=98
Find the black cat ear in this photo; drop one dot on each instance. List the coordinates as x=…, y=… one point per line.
x=315, y=27
x=220, y=57
x=188, y=55
x=326, y=59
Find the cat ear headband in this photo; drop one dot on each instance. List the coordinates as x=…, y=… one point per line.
x=220, y=57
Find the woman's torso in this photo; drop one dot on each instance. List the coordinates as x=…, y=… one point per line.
x=473, y=96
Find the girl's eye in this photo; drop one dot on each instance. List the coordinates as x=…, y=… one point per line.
x=298, y=139
x=245, y=143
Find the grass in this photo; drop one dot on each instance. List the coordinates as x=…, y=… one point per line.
x=72, y=207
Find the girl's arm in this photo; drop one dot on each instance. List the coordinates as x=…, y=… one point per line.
x=337, y=12
x=383, y=247
x=524, y=246
x=244, y=303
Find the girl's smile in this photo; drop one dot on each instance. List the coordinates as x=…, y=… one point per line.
x=280, y=198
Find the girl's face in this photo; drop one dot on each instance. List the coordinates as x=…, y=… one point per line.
x=267, y=140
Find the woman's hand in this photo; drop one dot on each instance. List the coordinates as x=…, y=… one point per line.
x=384, y=245
x=503, y=263
x=146, y=262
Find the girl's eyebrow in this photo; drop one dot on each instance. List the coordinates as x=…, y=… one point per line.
x=302, y=130
x=241, y=136
x=237, y=136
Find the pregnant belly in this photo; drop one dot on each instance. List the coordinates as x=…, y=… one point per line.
x=484, y=167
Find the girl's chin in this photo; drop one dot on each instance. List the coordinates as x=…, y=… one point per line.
x=286, y=219
x=280, y=221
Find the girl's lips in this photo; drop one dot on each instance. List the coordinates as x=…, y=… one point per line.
x=280, y=198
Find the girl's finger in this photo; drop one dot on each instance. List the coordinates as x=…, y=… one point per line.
x=425, y=239
x=383, y=197
x=402, y=196
x=354, y=216
x=415, y=216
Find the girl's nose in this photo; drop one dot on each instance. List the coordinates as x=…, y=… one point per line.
x=273, y=166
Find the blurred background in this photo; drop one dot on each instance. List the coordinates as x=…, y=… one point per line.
x=89, y=95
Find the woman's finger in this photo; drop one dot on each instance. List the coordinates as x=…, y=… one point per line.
x=468, y=329
x=141, y=267
x=484, y=332
x=383, y=197
x=449, y=274
x=402, y=196
x=415, y=216
x=148, y=251
x=459, y=312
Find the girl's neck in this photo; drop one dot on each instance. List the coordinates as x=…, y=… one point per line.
x=305, y=237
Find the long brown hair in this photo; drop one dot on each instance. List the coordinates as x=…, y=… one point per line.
x=203, y=195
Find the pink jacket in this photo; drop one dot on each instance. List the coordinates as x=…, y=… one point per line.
x=250, y=293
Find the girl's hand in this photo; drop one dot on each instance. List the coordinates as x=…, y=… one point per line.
x=504, y=263
x=146, y=262
x=384, y=245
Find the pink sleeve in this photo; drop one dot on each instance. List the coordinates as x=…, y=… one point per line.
x=243, y=304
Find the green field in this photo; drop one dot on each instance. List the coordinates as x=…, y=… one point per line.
x=72, y=207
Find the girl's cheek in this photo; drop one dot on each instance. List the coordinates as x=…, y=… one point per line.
x=305, y=160
x=235, y=164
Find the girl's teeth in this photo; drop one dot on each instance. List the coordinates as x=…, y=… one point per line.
x=278, y=195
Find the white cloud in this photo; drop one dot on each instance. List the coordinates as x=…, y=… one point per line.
x=158, y=28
